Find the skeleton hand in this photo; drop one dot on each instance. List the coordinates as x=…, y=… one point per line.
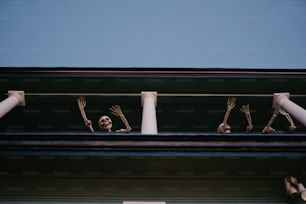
x=231, y=103
x=82, y=104
x=116, y=110
x=245, y=108
x=268, y=129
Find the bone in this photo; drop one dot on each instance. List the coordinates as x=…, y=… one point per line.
x=277, y=111
x=246, y=109
x=268, y=128
x=116, y=110
x=292, y=126
x=82, y=104
x=224, y=127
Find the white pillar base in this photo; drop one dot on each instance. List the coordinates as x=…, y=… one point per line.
x=282, y=100
x=149, y=122
x=15, y=98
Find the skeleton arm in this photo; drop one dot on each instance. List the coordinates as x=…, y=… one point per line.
x=268, y=127
x=116, y=110
x=224, y=127
x=246, y=109
x=82, y=103
x=277, y=111
x=231, y=103
x=292, y=126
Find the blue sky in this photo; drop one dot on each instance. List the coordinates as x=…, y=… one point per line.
x=153, y=33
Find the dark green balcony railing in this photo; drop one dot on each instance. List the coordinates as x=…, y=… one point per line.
x=47, y=153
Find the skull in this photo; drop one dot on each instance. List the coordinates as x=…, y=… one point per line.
x=105, y=123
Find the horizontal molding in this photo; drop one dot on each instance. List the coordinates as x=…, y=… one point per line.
x=189, y=144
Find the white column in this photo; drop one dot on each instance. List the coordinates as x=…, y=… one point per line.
x=15, y=98
x=282, y=100
x=149, y=122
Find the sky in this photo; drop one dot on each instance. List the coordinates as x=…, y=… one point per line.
x=153, y=33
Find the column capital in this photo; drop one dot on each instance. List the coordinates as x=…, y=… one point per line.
x=152, y=94
x=277, y=97
x=19, y=95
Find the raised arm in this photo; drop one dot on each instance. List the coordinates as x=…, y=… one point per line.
x=116, y=110
x=224, y=127
x=82, y=104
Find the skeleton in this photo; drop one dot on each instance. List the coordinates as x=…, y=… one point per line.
x=224, y=127
x=104, y=122
x=246, y=109
x=269, y=129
